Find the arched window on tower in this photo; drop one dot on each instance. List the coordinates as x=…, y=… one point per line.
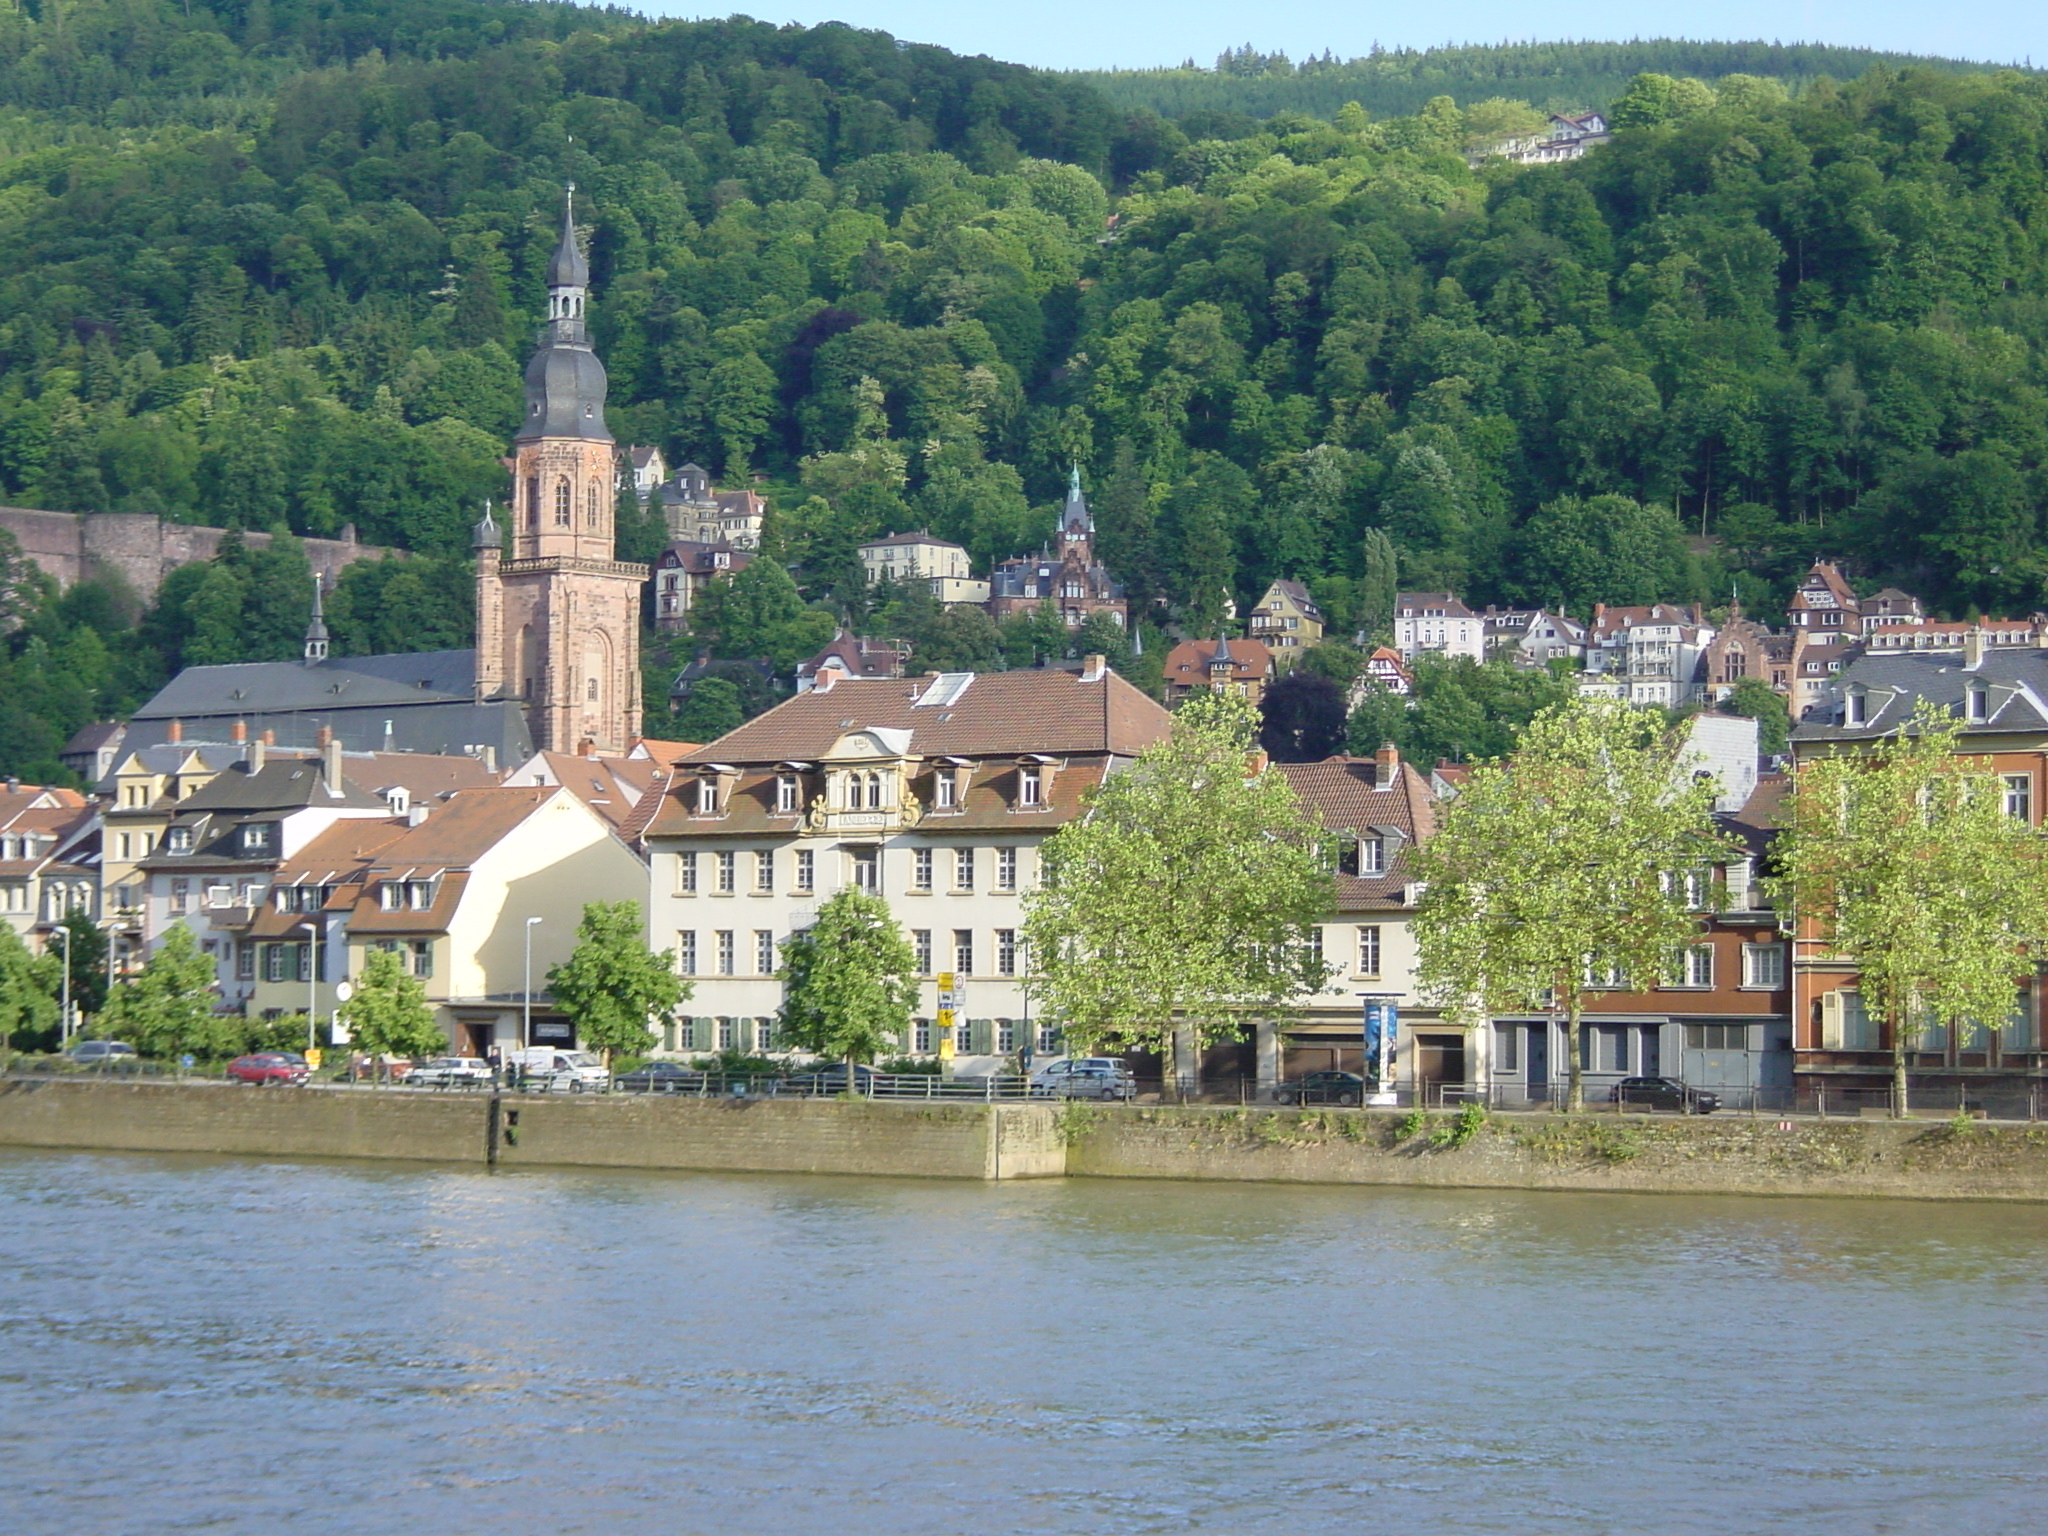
x=590, y=506
x=562, y=502
x=533, y=502
x=590, y=690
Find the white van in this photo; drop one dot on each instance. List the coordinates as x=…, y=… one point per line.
x=552, y=1070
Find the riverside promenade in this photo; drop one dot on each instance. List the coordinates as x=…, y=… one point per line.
x=1914, y=1159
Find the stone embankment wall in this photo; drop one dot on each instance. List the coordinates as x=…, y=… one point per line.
x=71, y=546
x=1716, y=1155
x=1667, y=1154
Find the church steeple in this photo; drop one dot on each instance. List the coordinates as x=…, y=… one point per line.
x=565, y=383
x=316, y=627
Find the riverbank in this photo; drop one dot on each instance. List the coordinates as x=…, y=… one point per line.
x=1920, y=1159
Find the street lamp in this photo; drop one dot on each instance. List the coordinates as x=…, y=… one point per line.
x=526, y=1024
x=64, y=1012
x=312, y=927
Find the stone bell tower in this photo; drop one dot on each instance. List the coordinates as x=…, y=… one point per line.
x=558, y=618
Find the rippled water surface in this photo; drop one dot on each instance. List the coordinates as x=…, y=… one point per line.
x=219, y=1346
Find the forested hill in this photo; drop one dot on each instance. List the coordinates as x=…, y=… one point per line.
x=276, y=266
x=1397, y=82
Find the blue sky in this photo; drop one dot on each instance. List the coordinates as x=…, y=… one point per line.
x=1081, y=34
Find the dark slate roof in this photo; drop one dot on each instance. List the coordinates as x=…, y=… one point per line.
x=2016, y=680
x=427, y=697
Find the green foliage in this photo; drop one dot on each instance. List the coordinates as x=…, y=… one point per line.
x=614, y=989
x=1185, y=898
x=167, y=1008
x=28, y=1001
x=849, y=980
x=712, y=710
x=1558, y=861
x=1755, y=698
x=389, y=1014
x=1460, y=1128
x=1459, y=710
x=1903, y=858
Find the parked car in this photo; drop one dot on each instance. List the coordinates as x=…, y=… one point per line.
x=553, y=1071
x=267, y=1069
x=831, y=1079
x=98, y=1053
x=1664, y=1093
x=450, y=1072
x=1048, y=1077
x=660, y=1077
x=1327, y=1087
x=1092, y=1083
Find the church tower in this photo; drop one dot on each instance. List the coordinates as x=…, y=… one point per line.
x=558, y=618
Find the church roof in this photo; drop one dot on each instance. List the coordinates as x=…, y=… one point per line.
x=567, y=268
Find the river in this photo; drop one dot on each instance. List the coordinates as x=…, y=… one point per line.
x=195, y=1344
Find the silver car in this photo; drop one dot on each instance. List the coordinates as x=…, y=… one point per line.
x=1092, y=1083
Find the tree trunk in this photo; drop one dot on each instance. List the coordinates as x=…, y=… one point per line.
x=1575, y=1054
x=1898, y=1073
x=852, y=1079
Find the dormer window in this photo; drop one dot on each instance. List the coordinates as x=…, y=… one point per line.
x=707, y=797
x=178, y=840
x=1030, y=786
x=258, y=837
x=1977, y=704
x=786, y=794
x=1856, y=707
x=1372, y=855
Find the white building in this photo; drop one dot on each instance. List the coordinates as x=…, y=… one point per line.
x=934, y=793
x=1437, y=623
x=908, y=557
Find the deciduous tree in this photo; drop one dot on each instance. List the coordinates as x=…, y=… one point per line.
x=613, y=988
x=389, y=1014
x=849, y=981
x=168, y=1008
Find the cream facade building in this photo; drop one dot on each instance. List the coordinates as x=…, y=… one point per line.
x=911, y=557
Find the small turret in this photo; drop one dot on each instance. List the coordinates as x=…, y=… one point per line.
x=487, y=534
x=316, y=626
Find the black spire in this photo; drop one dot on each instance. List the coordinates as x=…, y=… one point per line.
x=568, y=269
x=565, y=383
x=316, y=627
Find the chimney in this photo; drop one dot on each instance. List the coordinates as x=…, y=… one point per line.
x=1386, y=766
x=330, y=760
x=238, y=733
x=1973, y=646
x=585, y=747
x=258, y=753
x=176, y=732
x=1092, y=668
x=270, y=738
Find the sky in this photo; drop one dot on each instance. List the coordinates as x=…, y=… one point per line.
x=1097, y=34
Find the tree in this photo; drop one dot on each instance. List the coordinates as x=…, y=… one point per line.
x=1302, y=718
x=1903, y=859
x=28, y=1005
x=1756, y=699
x=712, y=710
x=87, y=949
x=389, y=1014
x=849, y=981
x=613, y=987
x=1186, y=900
x=168, y=1008
x=1559, y=863
x=1379, y=589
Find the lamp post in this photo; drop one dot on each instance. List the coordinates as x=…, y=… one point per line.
x=312, y=927
x=64, y=1010
x=526, y=1022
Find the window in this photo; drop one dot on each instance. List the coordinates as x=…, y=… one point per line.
x=122, y=844
x=2019, y=797
x=2016, y=1034
x=707, y=797
x=686, y=951
x=390, y=895
x=1372, y=855
x=1976, y=704
x=724, y=1034
x=963, y=951
x=1030, y=784
x=786, y=794
x=1717, y=1037
x=1006, y=951
x=764, y=870
x=590, y=690
x=1006, y=1036
x=686, y=874
x=805, y=876
x=727, y=958
x=419, y=894
x=245, y=962
x=178, y=840
x=764, y=1034
x=280, y=962
x=764, y=952
x=1507, y=1047
x=1006, y=869
x=181, y=895
x=1369, y=951
x=1763, y=966
x=728, y=872
x=867, y=869
x=963, y=869
x=1048, y=1038
x=921, y=947
x=921, y=1035
x=1855, y=708
x=1696, y=966
x=1845, y=1025
x=423, y=957
x=921, y=869
x=562, y=494
x=1605, y=975
x=1606, y=1048
x=590, y=507
x=946, y=789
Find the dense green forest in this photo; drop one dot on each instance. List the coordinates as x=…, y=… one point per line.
x=276, y=266
x=1245, y=86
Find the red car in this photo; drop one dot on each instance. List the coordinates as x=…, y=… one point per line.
x=268, y=1067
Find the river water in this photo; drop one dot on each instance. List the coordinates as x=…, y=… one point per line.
x=192, y=1344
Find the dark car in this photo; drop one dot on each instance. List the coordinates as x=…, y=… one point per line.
x=831, y=1079
x=268, y=1068
x=660, y=1077
x=1323, y=1088
x=1664, y=1093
